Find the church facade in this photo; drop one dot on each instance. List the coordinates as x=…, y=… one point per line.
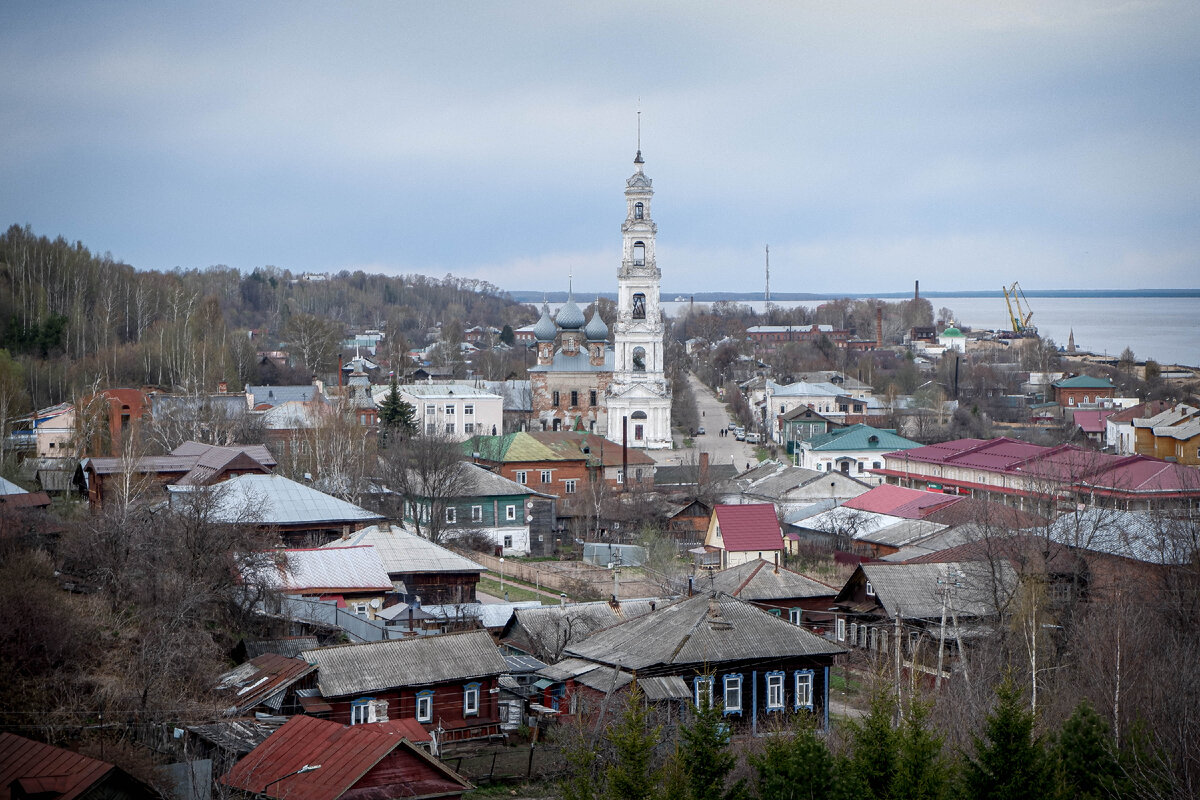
x=618, y=390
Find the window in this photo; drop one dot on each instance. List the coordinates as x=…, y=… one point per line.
x=430, y=428
x=449, y=427
x=876, y=465
x=521, y=478
x=639, y=254
x=620, y=476
x=639, y=210
x=569, y=486
x=804, y=688
x=639, y=432
x=547, y=476
x=870, y=590
x=639, y=360
x=775, y=691
x=639, y=306
x=861, y=467
x=841, y=629
x=425, y=706
x=469, y=410
x=795, y=615
x=510, y=512
x=574, y=397
x=468, y=427
x=471, y=700
x=703, y=690
x=508, y=540
x=733, y=694
x=449, y=409
x=554, y=399
x=592, y=397
x=430, y=409
x=362, y=711
x=882, y=641
x=451, y=515
x=360, y=609
x=476, y=513
x=853, y=633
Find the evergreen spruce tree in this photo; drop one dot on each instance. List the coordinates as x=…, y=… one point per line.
x=795, y=766
x=872, y=761
x=922, y=772
x=707, y=759
x=507, y=336
x=633, y=740
x=1010, y=763
x=396, y=416
x=1087, y=765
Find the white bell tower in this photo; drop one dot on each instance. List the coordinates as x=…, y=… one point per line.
x=639, y=396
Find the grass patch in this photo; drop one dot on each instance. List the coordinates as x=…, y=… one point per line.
x=516, y=593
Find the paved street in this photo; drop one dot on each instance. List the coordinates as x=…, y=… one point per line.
x=720, y=449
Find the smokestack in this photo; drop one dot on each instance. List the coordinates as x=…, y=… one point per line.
x=916, y=290
x=703, y=467
x=624, y=454
x=879, y=326
x=339, y=370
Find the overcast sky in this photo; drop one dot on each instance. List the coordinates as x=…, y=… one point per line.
x=869, y=144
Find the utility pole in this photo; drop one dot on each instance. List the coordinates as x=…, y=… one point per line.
x=950, y=584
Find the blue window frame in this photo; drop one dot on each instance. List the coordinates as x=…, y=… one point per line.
x=804, y=689
x=425, y=706
x=733, y=694
x=471, y=700
x=775, y=690
x=362, y=711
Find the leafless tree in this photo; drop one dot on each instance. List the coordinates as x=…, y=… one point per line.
x=429, y=472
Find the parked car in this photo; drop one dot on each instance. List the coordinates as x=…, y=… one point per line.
x=700, y=431
x=739, y=434
x=751, y=438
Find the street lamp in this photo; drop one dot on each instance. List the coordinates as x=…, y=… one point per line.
x=301, y=771
x=501, y=573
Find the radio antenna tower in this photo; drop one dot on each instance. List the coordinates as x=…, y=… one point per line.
x=767, y=293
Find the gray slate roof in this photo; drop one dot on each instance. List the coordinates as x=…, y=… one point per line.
x=275, y=395
x=703, y=629
x=1148, y=537
x=915, y=591
x=420, y=661
x=406, y=553
x=276, y=500
x=759, y=580
x=552, y=625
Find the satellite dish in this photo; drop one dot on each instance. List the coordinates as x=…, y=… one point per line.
x=376, y=603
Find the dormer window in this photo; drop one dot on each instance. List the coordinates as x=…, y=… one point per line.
x=639, y=254
x=639, y=210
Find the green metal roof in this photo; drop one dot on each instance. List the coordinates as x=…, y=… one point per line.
x=952, y=331
x=1084, y=382
x=512, y=447
x=861, y=437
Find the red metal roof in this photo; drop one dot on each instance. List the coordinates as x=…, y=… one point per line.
x=752, y=526
x=346, y=754
x=898, y=501
x=1093, y=420
x=41, y=767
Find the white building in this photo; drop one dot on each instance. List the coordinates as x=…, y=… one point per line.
x=456, y=410
x=639, y=398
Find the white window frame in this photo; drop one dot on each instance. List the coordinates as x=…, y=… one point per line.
x=476, y=513
x=620, y=476
x=840, y=628
x=795, y=615
x=775, y=691
x=510, y=513
x=471, y=700
x=547, y=476
x=424, y=710
x=449, y=409
x=731, y=686
x=451, y=515
x=450, y=428
x=699, y=684
x=468, y=427
x=522, y=477
x=430, y=428
x=853, y=638
x=870, y=590
x=508, y=540
x=362, y=711
x=804, y=683
x=569, y=486
x=469, y=410
x=430, y=410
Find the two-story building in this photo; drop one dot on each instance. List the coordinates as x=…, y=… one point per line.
x=1082, y=390
x=454, y=410
x=851, y=451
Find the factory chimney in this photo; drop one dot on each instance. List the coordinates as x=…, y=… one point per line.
x=879, y=326
x=916, y=290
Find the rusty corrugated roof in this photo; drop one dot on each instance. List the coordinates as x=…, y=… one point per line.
x=36, y=768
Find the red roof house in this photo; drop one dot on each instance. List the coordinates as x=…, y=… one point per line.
x=742, y=533
x=378, y=760
x=33, y=769
x=897, y=501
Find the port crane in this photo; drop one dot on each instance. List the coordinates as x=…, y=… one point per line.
x=1021, y=318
